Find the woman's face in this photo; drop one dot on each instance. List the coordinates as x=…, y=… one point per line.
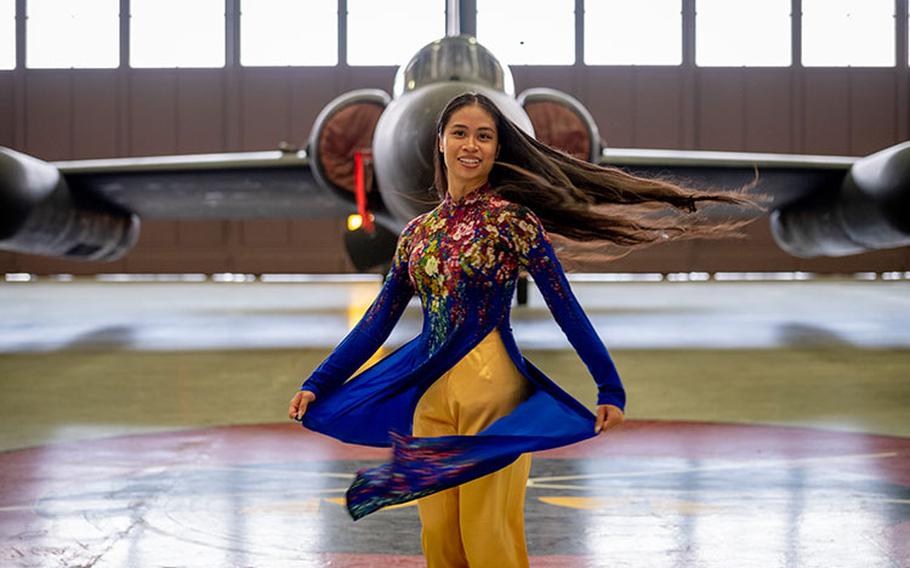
x=469, y=145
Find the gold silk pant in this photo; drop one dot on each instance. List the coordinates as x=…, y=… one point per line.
x=478, y=524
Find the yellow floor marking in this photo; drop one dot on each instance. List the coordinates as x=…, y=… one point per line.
x=684, y=507
x=584, y=503
x=16, y=508
x=598, y=503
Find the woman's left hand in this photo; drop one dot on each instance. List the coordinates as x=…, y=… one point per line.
x=608, y=417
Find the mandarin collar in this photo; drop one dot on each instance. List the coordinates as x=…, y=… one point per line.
x=478, y=194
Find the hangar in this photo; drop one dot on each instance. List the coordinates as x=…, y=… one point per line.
x=176, y=185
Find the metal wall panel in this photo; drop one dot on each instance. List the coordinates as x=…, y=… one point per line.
x=826, y=112
x=266, y=233
x=201, y=112
x=10, y=261
x=152, y=100
x=44, y=265
x=157, y=233
x=658, y=108
x=320, y=243
x=873, y=117
x=545, y=75
x=878, y=261
x=95, y=123
x=768, y=110
x=720, y=99
x=205, y=261
x=203, y=234
x=609, y=95
x=668, y=257
x=265, y=111
x=7, y=109
x=324, y=78
x=49, y=114
x=317, y=234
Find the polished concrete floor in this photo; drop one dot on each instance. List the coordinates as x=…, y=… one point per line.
x=142, y=424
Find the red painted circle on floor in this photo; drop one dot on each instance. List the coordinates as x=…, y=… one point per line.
x=225, y=495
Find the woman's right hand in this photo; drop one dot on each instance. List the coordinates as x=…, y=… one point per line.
x=299, y=403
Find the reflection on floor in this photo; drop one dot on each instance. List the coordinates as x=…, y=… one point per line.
x=143, y=427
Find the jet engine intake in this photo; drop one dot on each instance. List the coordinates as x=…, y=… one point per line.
x=344, y=127
x=561, y=121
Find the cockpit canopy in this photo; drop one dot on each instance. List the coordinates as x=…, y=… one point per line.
x=456, y=58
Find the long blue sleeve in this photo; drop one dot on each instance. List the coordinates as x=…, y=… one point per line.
x=539, y=259
x=373, y=328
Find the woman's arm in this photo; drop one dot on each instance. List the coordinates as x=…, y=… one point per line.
x=536, y=255
x=372, y=329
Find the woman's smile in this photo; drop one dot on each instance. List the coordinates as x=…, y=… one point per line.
x=470, y=162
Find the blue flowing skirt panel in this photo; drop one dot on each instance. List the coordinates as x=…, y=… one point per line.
x=376, y=408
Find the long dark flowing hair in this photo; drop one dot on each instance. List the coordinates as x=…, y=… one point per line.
x=588, y=202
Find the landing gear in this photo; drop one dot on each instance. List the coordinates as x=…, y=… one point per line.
x=521, y=290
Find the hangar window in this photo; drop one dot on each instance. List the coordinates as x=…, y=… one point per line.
x=739, y=33
x=369, y=22
x=842, y=33
x=64, y=34
x=620, y=32
x=176, y=33
x=8, y=33
x=528, y=33
x=288, y=32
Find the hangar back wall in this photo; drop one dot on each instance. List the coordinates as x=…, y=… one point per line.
x=75, y=114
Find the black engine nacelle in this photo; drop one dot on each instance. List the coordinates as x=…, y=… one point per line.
x=39, y=215
x=870, y=211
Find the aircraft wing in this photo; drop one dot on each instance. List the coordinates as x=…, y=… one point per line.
x=207, y=186
x=785, y=177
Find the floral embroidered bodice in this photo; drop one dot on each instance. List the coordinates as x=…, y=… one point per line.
x=464, y=257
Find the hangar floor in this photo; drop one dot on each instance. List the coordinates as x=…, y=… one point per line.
x=142, y=424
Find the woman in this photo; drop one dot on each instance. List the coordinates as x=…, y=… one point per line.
x=459, y=404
